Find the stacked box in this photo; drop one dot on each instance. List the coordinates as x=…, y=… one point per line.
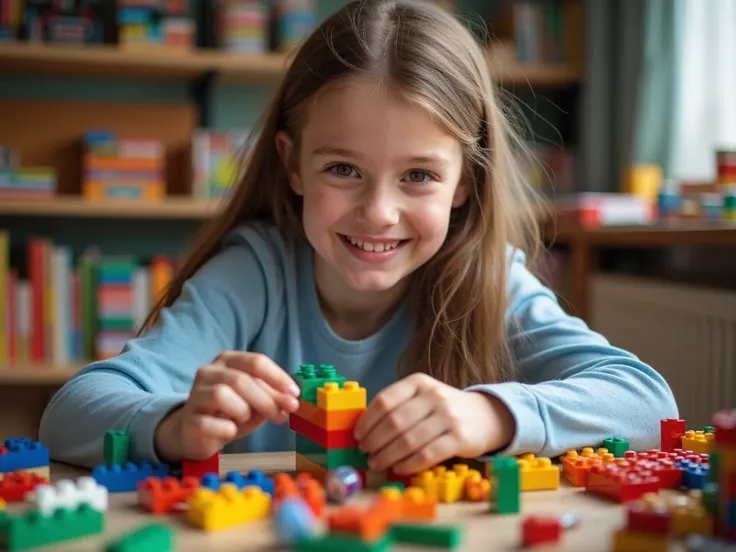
x=25, y=182
x=123, y=168
x=115, y=321
x=155, y=23
x=723, y=474
x=329, y=408
x=243, y=26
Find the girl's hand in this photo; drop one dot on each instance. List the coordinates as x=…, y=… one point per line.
x=230, y=398
x=418, y=422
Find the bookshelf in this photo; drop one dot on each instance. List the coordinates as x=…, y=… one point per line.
x=32, y=374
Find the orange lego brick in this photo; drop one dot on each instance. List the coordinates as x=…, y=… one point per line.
x=575, y=465
x=312, y=492
x=477, y=489
x=417, y=506
x=390, y=502
x=351, y=397
x=162, y=496
x=331, y=420
x=637, y=541
x=538, y=473
x=15, y=485
x=369, y=525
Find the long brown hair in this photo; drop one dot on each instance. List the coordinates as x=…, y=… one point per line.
x=459, y=299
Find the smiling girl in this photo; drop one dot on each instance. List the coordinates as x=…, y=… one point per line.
x=382, y=226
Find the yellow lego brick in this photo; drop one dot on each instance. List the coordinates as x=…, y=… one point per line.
x=633, y=541
x=538, y=474
x=2, y=504
x=689, y=515
x=727, y=458
x=428, y=482
x=449, y=487
x=350, y=397
x=698, y=441
x=229, y=507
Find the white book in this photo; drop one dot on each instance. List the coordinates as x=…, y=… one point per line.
x=141, y=296
x=62, y=259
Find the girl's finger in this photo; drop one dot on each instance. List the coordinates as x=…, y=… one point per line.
x=434, y=452
x=396, y=423
x=409, y=443
x=221, y=400
x=205, y=427
x=262, y=367
x=383, y=404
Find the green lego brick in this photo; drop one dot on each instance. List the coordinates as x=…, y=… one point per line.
x=505, y=478
x=32, y=529
x=116, y=447
x=310, y=379
x=709, y=429
x=441, y=536
x=155, y=537
x=616, y=446
x=710, y=498
x=331, y=458
x=393, y=485
x=341, y=542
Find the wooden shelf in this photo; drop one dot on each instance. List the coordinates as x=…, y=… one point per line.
x=162, y=64
x=31, y=374
x=71, y=206
x=135, y=62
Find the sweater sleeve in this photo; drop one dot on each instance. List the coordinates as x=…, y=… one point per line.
x=574, y=388
x=153, y=374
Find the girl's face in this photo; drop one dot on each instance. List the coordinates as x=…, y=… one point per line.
x=378, y=178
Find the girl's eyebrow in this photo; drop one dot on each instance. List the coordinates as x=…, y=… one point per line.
x=418, y=159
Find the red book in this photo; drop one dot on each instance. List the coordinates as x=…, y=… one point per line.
x=37, y=274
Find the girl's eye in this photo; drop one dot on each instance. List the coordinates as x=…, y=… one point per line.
x=418, y=176
x=343, y=170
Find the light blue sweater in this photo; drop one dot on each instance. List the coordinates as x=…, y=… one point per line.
x=257, y=294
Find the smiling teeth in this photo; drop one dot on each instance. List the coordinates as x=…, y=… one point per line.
x=370, y=246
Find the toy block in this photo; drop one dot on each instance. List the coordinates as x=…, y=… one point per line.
x=351, y=396
x=538, y=474
x=694, y=476
x=449, y=487
x=304, y=464
x=162, y=496
x=69, y=494
x=477, y=489
x=229, y=507
x=331, y=458
x=575, y=465
x=3, y=505
x=505, y=480
x=342, y=543
x=16, y=485
x=198, y=468
x=427, y=535
x=294, y=521
x=254, y=478
x=540, y=530
x=619, y=483
x=42, y=471
x=671, y=432
x=724, y=422
x=305, y=486
x=33, y=529
x=417, y=506
x=690, y=516
x=616, y=446
x=21, y=454
x=330, y=420
x=649, y=514
x=360, y=522
x=428, y=482
x=698, y=441
x=125, y=478
x=334, y=439
x=398, y=485
x=155, y=537
x=116, y=447
x=633, y=541
x=310, y=379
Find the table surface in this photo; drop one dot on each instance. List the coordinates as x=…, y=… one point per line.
x=482, y=530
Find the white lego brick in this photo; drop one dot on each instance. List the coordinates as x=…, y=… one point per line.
x=69, y=494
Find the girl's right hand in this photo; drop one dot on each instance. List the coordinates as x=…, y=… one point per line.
x=230, y=398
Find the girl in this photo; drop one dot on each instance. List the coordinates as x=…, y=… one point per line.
x=380, y=227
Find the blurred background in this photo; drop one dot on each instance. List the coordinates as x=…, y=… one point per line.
x=120, y=122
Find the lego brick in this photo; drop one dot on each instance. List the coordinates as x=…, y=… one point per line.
x=632, y=541
x=32, y=529
x=648, y=515
x=22, y=453
x=540, y=530
x=724, y=422
x=616, y=446
x=293, y=521
x=575, y=465
x=116, y=447
x=698, y=441
x=342, y=543
x=310, y=379
x=155, y=537
x=694, y=476
x=254, y=478
x=671, y=433
x=16, y=485
x=441, y=536
x=305, y=486
x=620, y=484
x=3, y=505
x=42, y=471
x=329, y=420
x=449, y=487
x=304, y=464
x=163, y=495
x=417, y=506
x=341, y=438
x=350, y=396
x=367, y=524
x=122, y=479
x=505, y=479
x=229, y=507
x=65, y=493
x=538, y=474
x=198, y=468
x=331, y=458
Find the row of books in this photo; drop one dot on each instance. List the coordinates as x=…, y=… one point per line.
x=131, y=168
x=57, y=309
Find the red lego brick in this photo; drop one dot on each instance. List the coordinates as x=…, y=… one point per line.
x=162, y=496
x=724, y=422
x=540, y=530
x=671, y=433
x=334, y=439
x=15, y=485
x=621, y=483
x=197, y=468
x=647, y=517
x=669, y=476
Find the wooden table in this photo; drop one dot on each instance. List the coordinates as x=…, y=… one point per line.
x=482, y=530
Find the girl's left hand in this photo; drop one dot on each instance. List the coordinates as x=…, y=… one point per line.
x=418, y=422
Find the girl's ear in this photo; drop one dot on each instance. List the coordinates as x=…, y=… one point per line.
x=461, y=192
x=285, y=147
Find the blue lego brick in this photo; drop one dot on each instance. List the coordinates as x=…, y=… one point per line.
x=125, y=478
x=254, y=478
x=694, y=476
x=22, y=454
